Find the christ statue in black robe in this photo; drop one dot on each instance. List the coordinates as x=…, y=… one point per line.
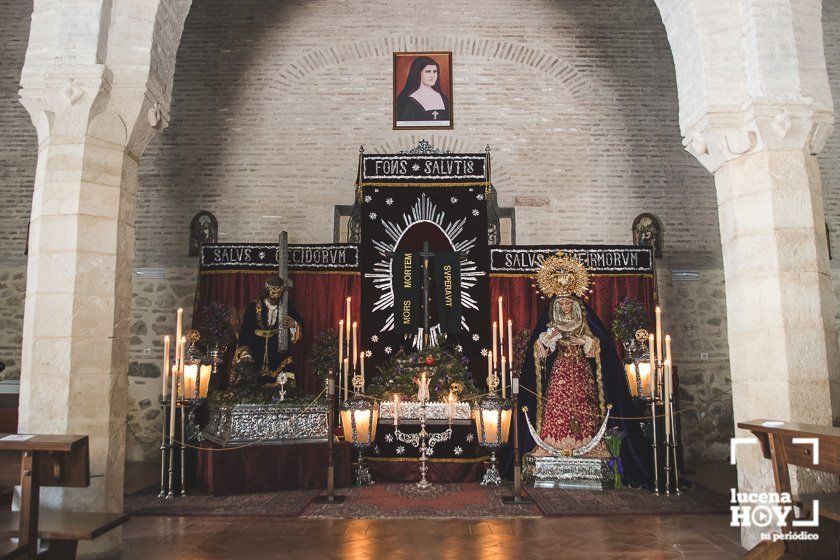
x=258, y=354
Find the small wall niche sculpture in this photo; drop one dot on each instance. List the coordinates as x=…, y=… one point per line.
x=647, y=232
x=204, y=228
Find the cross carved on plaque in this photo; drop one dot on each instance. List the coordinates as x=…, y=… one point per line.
x=435, y=114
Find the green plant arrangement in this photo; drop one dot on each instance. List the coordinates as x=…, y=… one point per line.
x=324, y=354
x=613, y=439
x=399, y=375
x=630, y=316
x=216, y=330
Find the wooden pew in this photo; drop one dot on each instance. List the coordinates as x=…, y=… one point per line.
x=776, y=442
x=49, y=460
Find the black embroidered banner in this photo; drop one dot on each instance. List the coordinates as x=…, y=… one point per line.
x=407, y=279
x=598, y=259
x=424, y=170
x=448, y=287
x=263, y=256
x=449, y=220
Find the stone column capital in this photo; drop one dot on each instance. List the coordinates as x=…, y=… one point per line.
x=77, y=101
x=723, y=134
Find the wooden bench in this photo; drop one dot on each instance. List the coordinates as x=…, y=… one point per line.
x=776, y=442
x=49, y=460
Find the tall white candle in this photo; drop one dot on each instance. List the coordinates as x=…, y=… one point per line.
x=347, y=320
x=495, y=343
x=346, y=374
x=652, y=367
x=362, y=363
x=659, y=355
x=179, y=327
x=173, y=403
x=668, y=348
x=450, y=407
x=501, y=323
x=489, y=368
x=510, y=344
x=181, y=355
x=355, y=348
x=340, y=342
x=165, y=369
x=667, y=399
x=396, y=409
x=504, y=377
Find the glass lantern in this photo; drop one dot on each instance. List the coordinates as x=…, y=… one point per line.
x=492, y=424
x=359, y=417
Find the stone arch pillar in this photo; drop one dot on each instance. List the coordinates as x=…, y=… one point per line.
x=755, y=108
x=97, y=83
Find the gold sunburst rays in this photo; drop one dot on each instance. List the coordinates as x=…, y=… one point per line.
x=563, y=275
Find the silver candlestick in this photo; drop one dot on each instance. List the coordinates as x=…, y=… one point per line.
x=422, y=440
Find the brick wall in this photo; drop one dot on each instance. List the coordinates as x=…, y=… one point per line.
x=270, y=103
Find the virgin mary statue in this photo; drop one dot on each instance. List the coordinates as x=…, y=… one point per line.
x=571, y=375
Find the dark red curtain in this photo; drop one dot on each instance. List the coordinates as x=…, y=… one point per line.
x=523, y=305
x=318, y=297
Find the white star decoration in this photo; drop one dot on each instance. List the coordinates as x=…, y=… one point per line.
x=415, y=167
x=368, y=353
x=401, y=450
x=475, y=212
x=484, y=352
x=469, y=437
x=476, y=337
x=387, y=349
x=458, y=450
x=374, y=338
x=389, y=438
x=373, y=215
x=430, y=451
x=454, y=200
x=479, y=197
x=367, y=198
x=389, y=201
x=376, y=449
x=262, y=254
x=459, y=348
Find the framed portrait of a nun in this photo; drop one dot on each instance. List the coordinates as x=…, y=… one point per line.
x=423, y=90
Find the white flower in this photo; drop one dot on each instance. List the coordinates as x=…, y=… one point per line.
x=475, y=212
x=454, y=200
x=430, y=451
x=389, y=201
x=401, y=450
x=484, y=352
x=261, y=254
x=373, y=215
x=459, y=348
x=367, y=198
x=458, y=450
x=368, y=353
x=387, y=349
x=389, y=438
x=415, y=167
x=470, y=437
x=374, y=338
x=479, y=197
x=476, y=337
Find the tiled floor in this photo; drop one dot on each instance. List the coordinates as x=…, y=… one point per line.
x=591, y=538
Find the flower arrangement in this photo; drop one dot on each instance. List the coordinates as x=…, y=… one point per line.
x=613, y=439
x=630, y=316
x=324, y=353
x=400, y=374
x=216, y=328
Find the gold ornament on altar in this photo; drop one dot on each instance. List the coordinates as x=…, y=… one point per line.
x=642, y=335
x=563, y=275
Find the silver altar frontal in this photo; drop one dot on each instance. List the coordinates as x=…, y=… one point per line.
x=436, y=413
x=266, y=423
x=587, y=473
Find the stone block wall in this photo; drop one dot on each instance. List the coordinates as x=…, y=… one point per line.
x=270, y=102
